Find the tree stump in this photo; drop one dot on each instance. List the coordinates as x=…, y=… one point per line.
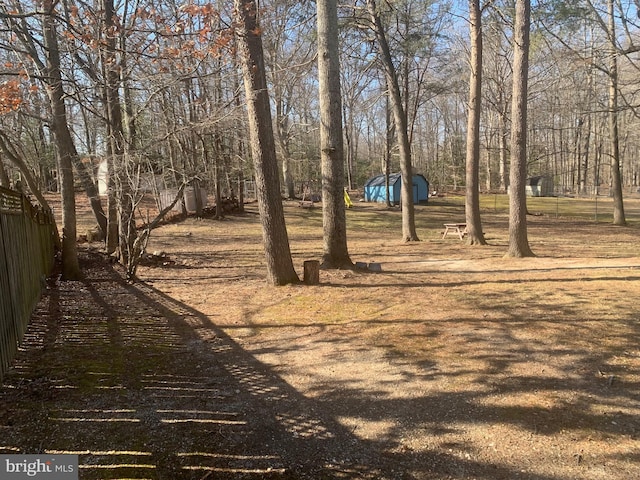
x=311, y=272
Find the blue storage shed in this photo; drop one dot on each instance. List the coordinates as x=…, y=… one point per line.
x=375, y=189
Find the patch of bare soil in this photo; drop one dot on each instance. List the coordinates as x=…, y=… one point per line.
x=451, y=363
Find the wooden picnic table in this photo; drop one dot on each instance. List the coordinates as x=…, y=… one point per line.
x=459, y=228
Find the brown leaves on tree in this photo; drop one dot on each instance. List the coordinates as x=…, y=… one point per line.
x=10, y=96
x=170, y=41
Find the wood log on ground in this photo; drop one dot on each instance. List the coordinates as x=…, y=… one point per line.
x=311, y=272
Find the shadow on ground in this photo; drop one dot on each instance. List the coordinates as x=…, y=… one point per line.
x=142, y=386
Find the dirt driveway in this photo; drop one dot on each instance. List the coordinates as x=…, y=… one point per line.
x=449, y=364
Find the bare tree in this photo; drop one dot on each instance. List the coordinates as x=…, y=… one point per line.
x=120, y=168
x=409, y=233
x=43, y=53
x=472, y=197
x=9, y=150
x=64, y=143
x=497, y=77
x=290, y=54
x=280, y=269
x=335, y=252
x=518, y=240
x=616, y=181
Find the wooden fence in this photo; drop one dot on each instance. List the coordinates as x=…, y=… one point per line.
x=26, y=258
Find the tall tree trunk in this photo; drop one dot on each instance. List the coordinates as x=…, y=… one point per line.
x=408, y=211
x=518, y=240
x=487, y=155
x=112, y=233
x=388, y=143
x=287, y=175
x=472, y=197
x=280, y=269
x=504, y=150
x=350, y=150
x=584, y=161
x=127, y=96
x=240, y=147
x=82, y=170
x=217, y=147
x=64, y=144
x=577, y=146
x=597, y=160
x=282, y=127
x=616, y=181
x=89, y=186
x=335, y=252
x=125, y=178
x=489, y=147
x=125, y=122
x=4, y=178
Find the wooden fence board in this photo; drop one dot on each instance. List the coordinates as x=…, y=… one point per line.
x=26, y=255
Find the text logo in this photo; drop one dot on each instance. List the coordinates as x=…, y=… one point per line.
x=49, y=467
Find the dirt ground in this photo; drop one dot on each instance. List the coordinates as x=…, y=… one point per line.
x=451, y=363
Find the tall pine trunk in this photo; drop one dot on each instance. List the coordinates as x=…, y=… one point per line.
x=125, y=178
x=503, y=132
x=518, y=240
x=280, y=269
x=616, y=181
x=400, y=118
x=64, y=144
x=282, y=131
x=472, y=197
x=335, y=252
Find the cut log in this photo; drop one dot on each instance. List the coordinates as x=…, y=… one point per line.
x=311, y=272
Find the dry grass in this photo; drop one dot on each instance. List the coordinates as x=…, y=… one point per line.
x=528, y=354
x=453, y=362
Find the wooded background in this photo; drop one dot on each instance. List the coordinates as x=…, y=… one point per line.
x=179, y=85
x=149, y=94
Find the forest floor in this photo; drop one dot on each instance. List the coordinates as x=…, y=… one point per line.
x=453, y=362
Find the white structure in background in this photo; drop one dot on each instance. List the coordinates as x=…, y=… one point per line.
x=167, y=196
x=103, y=178
x=147, y=180
x=540, y=186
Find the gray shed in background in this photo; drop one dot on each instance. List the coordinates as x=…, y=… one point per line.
x=540, y=186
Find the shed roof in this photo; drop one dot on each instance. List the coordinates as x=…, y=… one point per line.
x=538, y=180
x=379, y=180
